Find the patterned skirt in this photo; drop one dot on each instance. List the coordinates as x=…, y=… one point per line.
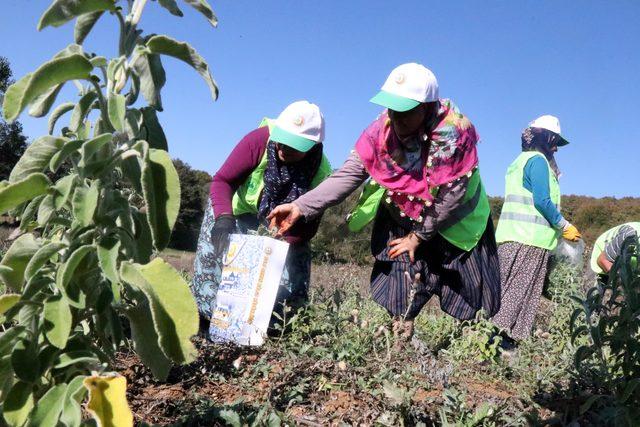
x=464, y=281
x=523, y=269
x=294, y=285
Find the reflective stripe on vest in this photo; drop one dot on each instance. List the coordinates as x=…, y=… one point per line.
x=601, y=243
x=246, y=198
x=520, y=221
x=464, y=229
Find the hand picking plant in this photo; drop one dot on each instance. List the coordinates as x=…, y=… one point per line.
x=86, y=257
x=609, y=317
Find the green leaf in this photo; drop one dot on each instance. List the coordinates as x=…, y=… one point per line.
x=42, y=104
x=41, y=257
x=20, y=191
x=117, y=109
x=7, y=301
x=64, y=189
x=84, y=25
x=18, y=404
x=57, y=317
x=161, y=190
x=50, y=74
x=85, y=202
x=62, y=11
x=143, y=239
x=36, y=157
x=174, y=311
x=81, y=110
x=67, y=149
x=17, y=258
x=46, y=210
x=69, y=289
x=59, y=111
x=146, y=340
x=203, y=7
x=9, y=338
x=72, y=411
x=75, y=357
x=24, y=360
x=47, y=412
x=133, y=120
x=108, y=250
x=6, y=377
x=589, y=403
x=171, y=6
x=152, y=78
x=152, y=130
x=93, y=146
x=163, y=45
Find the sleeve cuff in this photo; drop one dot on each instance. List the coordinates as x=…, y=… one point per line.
x=561, y=224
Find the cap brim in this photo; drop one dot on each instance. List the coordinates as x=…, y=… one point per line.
x=394, y=102
x=562, y=142
x=289, y=139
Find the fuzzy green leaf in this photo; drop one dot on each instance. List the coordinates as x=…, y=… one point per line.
x=108, y=251
x=57, y=317
x=17, y=258
x=81, y=110
x=63, y=190
x=152, y=78
x=25, y=362
x=117, y=110
x=85, y=202
x=46, y=210
x=203, y=7
x=93, y=146
x=146, y=340
x=75, y=394
x=41, y=257
x=59, y=111
x=161, y=190
x=75, y=357
x=50, y=74
x=37, y=157
x=151, y=130
x=7, y=301
x=84, y=25
x=163, y=45
x=171, y=6
x=67, y=149
x=15, y=194
x=42, y=104
x=174, y=311
x=69, y=289
x=62, y=11
x=18, y=404
x=47, y=412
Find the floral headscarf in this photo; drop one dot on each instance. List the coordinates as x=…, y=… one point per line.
x=451, y=153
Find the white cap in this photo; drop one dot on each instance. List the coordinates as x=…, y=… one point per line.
x=407, y=86
x=551, y=123
x=300, y=126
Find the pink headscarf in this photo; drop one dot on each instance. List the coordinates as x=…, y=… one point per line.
x=452, y=153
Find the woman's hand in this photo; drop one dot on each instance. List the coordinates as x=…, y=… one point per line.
x=408, y=243
x=283, y=217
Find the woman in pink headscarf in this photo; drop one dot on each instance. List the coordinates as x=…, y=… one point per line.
x=432, y=232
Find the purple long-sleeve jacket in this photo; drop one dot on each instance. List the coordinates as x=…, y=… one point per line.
x=242, y=161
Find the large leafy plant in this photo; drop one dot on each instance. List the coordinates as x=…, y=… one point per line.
x=609, y=318
x=87, y=256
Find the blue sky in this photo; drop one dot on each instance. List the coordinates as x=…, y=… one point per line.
x=503, y=62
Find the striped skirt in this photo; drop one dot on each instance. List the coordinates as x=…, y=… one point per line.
x=523, y=270
x=465, y=282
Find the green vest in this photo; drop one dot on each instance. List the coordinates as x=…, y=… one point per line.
x=246, y=198
x=606, y=237
x=471, y=216
x=520, y=221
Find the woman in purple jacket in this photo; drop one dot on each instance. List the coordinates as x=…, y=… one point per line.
x=273, y=164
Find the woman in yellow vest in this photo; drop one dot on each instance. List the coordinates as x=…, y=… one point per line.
x=273, y=164
x=609, y=246
x=529, y=227
x=432, y=234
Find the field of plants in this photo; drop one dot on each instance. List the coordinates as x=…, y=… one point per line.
x=98, y=325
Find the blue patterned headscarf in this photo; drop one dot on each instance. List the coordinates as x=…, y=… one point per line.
x=542, y=140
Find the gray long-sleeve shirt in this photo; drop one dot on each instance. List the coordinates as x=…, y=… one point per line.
x=352, y=174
